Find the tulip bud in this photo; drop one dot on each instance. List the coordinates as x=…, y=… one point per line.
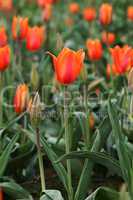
x=59, y=43
x=35, y=110
x=34, y=77
x=84, y=74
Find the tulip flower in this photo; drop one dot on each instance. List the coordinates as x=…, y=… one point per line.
x=68, y=65
x=47, y=13
x=105, y=15
x=1, y=194
x=108, y=38
x=89, y=14
x=6, y=5
x=122, y=58
x=19, y=28
x=3, y=36
x=130, y=13
x=95, y=50
x=21, y=98
x=74, y=8
x=4, y=57
x=111, y=70
x=43, y=3
x=35, y=38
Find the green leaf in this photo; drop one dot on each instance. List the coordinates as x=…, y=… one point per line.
x=52, y=195
x=122, y=149
x=16, y=191
x=4, y=158
x=85, y=179
x=104, y=193
x=95, y=157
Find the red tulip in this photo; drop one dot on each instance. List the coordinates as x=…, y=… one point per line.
x=1, y=194
x=43, y=3
x=108, y=38
x=95, y=50
x=35, y=38
x=21, y=98
x=122, y=58
x=68, y=65
x=4, y=57
x=89, y=14
x=105, y=14
x=19, y=28
x=3, y=36
x=47, y=13
x=111, y=70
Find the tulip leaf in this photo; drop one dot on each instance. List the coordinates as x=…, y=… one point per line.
x=4, y=158
x=51, y=195
x=104, y=193
x=16, y=191
x=96, y=157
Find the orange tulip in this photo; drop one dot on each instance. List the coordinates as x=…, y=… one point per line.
x=105, y=16
x=130, y=13
x=47, y=13
x=3, y=36
x=89, y=14
x=6, y=5
x=108, y=38
x=111, y=70
x=35, y=38
x=68, y=65
x=21, y=98
x=74, y=8
x=91, y=120
x=19, y=28
x=122, y=58
x=95, y=50
x=4, y=57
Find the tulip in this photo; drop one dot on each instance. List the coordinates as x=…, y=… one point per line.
x=43, y=3
x=111, y=70
x=95, y=50
x=35, y=38
x=19, y=28
x=47, y=13
x=105, y=16
x=6, y=5
x=21, y=98
x=68, y=65
x=1, y=194
x=4, y=57
x=3, y=36
x=74, y=8
x=122, y=58
x=108, y=38
x=91, y=120
x=89, y=14
x=130, y=13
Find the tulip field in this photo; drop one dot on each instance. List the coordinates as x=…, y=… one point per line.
x=66, y=100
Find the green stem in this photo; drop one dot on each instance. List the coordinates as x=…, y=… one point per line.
x=40, y=157
x=87, y=131
x=67, y=139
